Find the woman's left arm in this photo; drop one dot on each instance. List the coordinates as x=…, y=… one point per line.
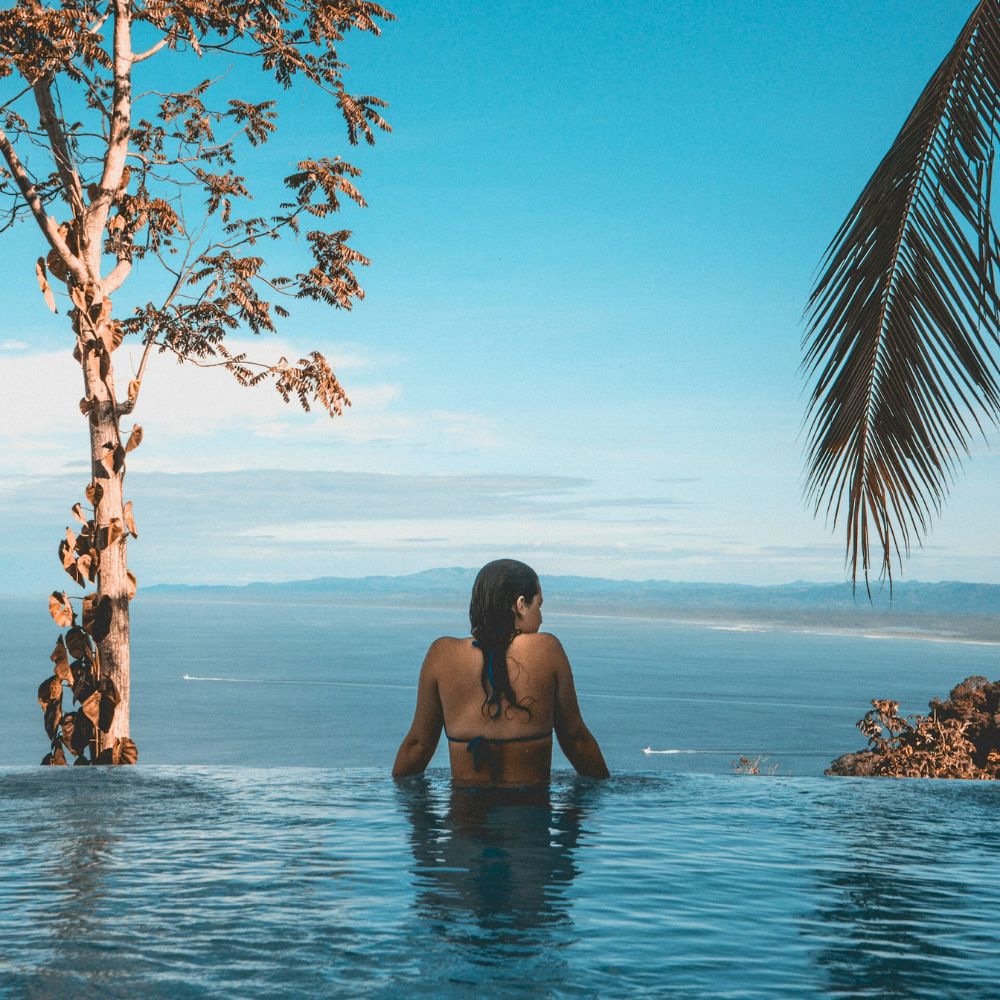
x=419, y=744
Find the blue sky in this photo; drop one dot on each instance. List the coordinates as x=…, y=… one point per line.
x=593, y=233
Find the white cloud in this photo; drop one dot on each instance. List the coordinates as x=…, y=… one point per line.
x=202, y=419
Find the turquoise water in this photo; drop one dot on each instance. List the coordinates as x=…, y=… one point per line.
x=293, y=684
x=180, y=882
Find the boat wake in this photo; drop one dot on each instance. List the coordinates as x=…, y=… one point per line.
x=649, y=751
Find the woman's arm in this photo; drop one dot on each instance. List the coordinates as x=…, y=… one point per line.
x=575, y=739
x=421, y=741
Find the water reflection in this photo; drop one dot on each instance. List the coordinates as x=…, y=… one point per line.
x=901, y=907
x=493, y=871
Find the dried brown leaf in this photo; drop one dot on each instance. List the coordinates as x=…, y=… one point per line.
x=53, y=716
x=61, y=609
x=84, y=565
x=94, y=493
x=125, y=751
x=129, y=519
x=49, y=690
x=134, y=439
x=91, y=705
x=58, y=654
x=109, y=703
x=43, y=284
x=77, y=732
x=77, y=643
x=55, y=758
x=97, y=618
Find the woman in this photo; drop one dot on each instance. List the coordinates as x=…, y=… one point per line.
x=500, y=693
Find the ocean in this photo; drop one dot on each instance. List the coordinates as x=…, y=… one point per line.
x=262, y=850
x=293, y=684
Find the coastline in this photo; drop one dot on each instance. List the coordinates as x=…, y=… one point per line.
x=864, y=623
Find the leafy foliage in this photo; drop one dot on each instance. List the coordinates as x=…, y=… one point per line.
x=81, y=731
x=903, y=322
x=114, y=178
x=959, y=739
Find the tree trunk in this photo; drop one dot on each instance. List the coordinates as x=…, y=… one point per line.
x=108, y=471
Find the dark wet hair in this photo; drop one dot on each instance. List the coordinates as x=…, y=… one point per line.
x=491, y=613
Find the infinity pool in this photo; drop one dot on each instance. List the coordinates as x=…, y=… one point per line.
x=213, y=882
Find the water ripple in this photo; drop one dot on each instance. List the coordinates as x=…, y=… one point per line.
x=215, y=882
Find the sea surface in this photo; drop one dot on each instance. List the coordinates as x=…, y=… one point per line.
x=315, y=685
x=261, y=849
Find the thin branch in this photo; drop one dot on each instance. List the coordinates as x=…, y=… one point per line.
x=117, y=276
x=47, y=224
x=16, y=97
x=162, y=43
x=68, y=173
x=121, y=119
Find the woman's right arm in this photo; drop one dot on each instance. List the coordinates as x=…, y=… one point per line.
x=419, y=744
x=575, y=739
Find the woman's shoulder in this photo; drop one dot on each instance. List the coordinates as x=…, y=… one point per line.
x=448, y=645
x=539, y=643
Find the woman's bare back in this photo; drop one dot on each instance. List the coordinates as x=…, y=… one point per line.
x=515, y=748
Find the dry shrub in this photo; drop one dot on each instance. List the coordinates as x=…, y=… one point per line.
x=959, y=739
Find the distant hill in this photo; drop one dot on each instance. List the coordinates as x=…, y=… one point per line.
x=570, y=593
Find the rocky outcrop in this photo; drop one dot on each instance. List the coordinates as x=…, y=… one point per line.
x=853, y=765
x=975, y=702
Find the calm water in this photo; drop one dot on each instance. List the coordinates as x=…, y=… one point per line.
x=302, y=870
x=234, y=883
x=313, y=685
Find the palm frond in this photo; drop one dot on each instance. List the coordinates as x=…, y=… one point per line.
x=903, y=322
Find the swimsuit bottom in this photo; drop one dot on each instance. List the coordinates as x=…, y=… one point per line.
x=481, y=747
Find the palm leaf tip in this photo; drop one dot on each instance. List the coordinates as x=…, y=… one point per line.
x=903, y=323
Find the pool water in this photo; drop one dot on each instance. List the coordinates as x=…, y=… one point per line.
x=233, y=882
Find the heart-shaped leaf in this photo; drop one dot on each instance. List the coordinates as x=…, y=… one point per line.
x=61, y=609
x=58, y=654
x=66, y=556
x=90, y=705
x=109, y=702
x=53, y=716
x=134, y=439
x=97, y=617
x=49, y=691
x=129, y=518
x=77, y=732
x=94, y=492
x=54, y=759
x=125, y=751
x=77, y=643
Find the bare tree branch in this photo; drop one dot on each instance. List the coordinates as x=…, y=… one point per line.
x=65, y=163
x=47, y=224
